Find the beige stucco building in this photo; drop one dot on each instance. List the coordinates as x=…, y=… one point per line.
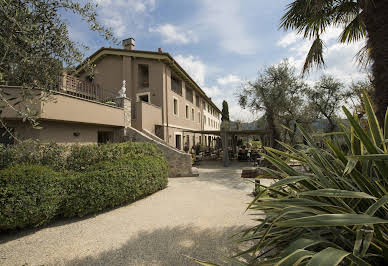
x=158, y=97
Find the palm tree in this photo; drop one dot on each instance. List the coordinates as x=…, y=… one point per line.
x=359, y=19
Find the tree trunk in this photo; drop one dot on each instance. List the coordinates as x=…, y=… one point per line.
x=275, y=135
x=293, y=134
x=376, y=21
x=332, y=125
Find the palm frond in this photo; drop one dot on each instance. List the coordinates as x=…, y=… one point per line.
x=363, y=57
x=355, y=30
x=315, y=56
x=326, y=212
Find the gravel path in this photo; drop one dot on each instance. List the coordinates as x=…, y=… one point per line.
x=193, y=216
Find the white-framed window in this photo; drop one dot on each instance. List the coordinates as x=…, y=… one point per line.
x=144, y=96
x=175, y=106
x=204, y=119
x=187, y=112
x=208, y=120
x=199, y=117
x=189, y=94
x=178, y=141
x=197, y=101
x=192, y=114
x=176, y=85
x=143, y=76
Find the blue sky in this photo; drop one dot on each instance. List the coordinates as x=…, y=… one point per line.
x=220, y=43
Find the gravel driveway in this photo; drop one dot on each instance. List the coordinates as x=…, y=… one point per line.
x=193, y=216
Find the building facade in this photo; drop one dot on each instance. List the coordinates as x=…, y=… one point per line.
x=146, y=90
x=166, y=102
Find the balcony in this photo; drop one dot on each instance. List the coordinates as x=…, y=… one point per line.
x=147, y=116
x=72, y=101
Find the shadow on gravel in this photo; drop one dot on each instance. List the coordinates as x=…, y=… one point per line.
x=10, y=235
x=170, y=246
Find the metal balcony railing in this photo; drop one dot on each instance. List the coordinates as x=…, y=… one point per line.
x=83, y=89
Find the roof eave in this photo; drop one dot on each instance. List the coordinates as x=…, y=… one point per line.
x=145, y=54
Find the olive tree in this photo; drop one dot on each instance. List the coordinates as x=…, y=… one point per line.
x=35, y=47
x=277, y=92
x=360, y=20
x=326, y=97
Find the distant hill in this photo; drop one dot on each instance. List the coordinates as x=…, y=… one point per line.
x=245, y=126
x=320, y=124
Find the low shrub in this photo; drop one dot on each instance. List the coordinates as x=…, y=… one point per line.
x=33, y=152
x=110, y=184
x=30, y=195
x=81, y=157
x=102, y=177
x=75, y=157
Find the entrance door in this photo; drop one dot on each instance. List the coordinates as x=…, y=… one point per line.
x=104, y=137
x=178, y=142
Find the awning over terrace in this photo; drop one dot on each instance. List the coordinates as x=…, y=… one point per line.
x=229, y=138
x=256, y=132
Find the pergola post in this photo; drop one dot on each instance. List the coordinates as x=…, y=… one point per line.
x=224, y=139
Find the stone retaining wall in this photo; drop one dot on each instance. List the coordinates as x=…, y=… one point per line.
x=178, y=161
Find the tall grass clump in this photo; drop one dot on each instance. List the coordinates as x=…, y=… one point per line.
x=331, y=210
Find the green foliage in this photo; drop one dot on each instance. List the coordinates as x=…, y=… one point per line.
x=256, y=144
x=82, y=156
x=74, y=157
x=30, y=195
x=312, y=18
x=333, y=209
x=35, y=49
x=33, y=152
x=93, y=179
x=109, y=184
x=225, y=111
x=35, y=41
x=279, y=93
x=325, y=98
x=111, y=103
x=355, y=95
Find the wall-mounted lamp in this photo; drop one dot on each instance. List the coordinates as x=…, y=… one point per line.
x=76, y=134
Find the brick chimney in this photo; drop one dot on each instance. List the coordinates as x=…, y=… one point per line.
x=129, y=44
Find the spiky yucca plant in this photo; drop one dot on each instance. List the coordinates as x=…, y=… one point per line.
x=334, y=208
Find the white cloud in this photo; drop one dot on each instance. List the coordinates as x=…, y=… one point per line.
x=225, y=20
x=212, y=92
x=174, y=34
x=194, y=67
x=288, y=39
x=124, y=16
x=238, y=113
x=331, y=33
x=339, y=58
x=229, y=79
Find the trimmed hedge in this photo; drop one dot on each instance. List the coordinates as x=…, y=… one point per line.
x=33, y=152
x=75, y=157
x=30, y=195
x=113, y=174
x=81, y=157
x=110, y=184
